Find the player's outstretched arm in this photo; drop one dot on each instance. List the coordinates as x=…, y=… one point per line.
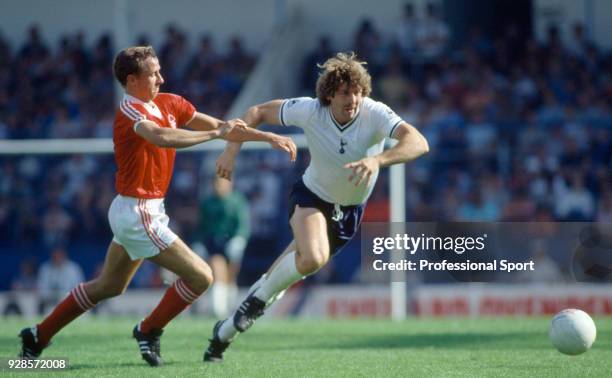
x=266, y=113
x=204, y=122
x=244, y=134
x=181, y=138
x=411, y=144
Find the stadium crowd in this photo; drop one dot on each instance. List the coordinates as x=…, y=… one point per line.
x=519, y=130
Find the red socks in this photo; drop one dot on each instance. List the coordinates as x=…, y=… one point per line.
x=175, y=300
x=75, y=303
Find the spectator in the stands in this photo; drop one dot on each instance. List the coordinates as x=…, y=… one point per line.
x=56, y=278
x=368, y=45
x=319, y=55
x=406, y=31
x=432, y=34
x=26, y=280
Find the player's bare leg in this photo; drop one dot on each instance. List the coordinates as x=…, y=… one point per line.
x=195, y=276
x=185, y=263
x=310, y=252
x=116, y=275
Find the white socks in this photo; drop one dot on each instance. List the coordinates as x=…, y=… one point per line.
x=232, y=296
x=219, y=294
x=227, y=331
x=284, y=275
x=267, y=288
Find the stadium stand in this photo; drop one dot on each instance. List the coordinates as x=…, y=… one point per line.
x=520, y=131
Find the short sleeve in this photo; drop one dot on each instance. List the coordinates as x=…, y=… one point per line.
x=384, y=119
x=184, y=110
x=297, y=111
x=130, y=115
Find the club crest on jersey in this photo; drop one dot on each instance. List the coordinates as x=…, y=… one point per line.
x=172, y=121
x=342, y=144
x=291, y=103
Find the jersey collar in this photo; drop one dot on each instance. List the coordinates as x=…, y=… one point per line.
x=151, y=107
x=131, y=98
x=340, y=127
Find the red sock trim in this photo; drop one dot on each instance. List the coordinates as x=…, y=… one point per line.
x=81, y=297
x=177, y=298
x=185, y=291
x=72, y=306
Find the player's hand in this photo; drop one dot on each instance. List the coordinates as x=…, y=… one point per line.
x=286, y=144
x=363, y=170
x=227, y=126
x=225, y=165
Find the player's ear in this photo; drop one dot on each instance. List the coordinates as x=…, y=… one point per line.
x=131, y=78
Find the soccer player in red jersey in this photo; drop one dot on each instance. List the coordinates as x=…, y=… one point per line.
x=145, y=135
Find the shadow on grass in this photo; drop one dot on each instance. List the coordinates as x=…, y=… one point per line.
x=406, y=339
x=512, y=340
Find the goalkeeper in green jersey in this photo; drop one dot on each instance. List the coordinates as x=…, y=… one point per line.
x=224, y=232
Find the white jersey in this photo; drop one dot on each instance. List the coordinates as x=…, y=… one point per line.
x=332, y=145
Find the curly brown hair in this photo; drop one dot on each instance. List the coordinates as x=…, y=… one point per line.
x=344, y=68
x=130, y=61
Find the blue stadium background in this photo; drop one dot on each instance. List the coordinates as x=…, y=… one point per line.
x=518, y=123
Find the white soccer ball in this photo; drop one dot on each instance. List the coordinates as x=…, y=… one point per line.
x=572, y=331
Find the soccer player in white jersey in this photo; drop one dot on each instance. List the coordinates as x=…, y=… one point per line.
x=346, y=132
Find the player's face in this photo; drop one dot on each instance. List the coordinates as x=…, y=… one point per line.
x=345, y=102
x=146, y=84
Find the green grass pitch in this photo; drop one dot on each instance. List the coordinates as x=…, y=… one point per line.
x=492, y=347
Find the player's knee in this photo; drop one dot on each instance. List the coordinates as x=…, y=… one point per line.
x=113, y=289
x=310, y=263
x=102, y=289
x=201, y=279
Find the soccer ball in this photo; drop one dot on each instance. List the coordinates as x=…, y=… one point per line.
x=572, y=331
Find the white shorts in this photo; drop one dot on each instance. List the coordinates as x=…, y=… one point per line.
x=140, y=226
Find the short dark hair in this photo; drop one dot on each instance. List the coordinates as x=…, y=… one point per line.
x=342, y=69
x=130, y=61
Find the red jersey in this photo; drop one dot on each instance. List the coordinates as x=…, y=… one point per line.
x=144, y=170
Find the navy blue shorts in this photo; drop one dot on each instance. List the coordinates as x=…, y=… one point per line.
x=216, y=245
x=341, y=225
